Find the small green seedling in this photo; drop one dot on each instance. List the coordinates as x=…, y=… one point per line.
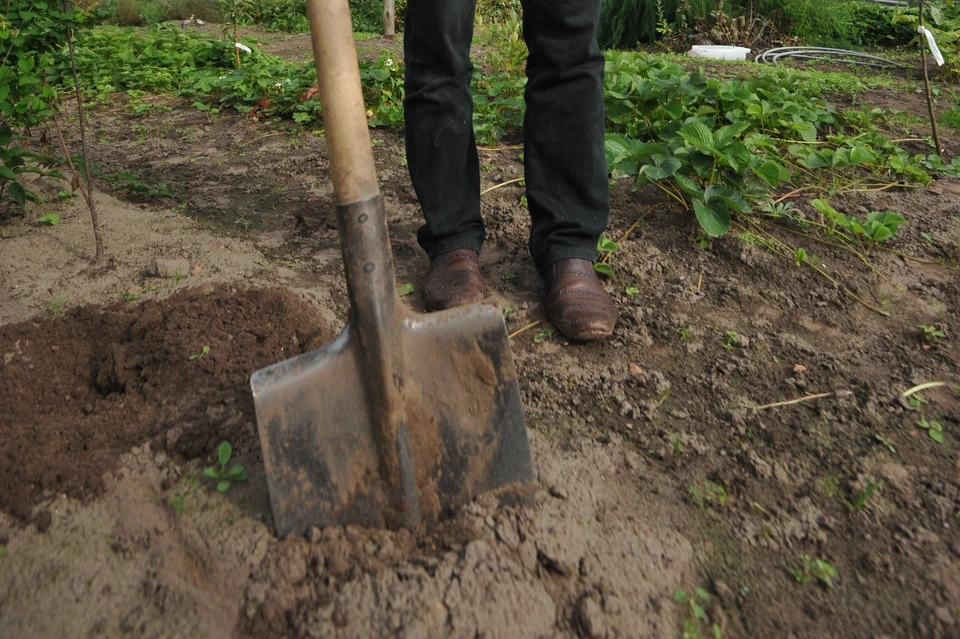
x=185, y=488
x=864, y=496
x=684, y=332
x=224, y=476
x=886, y=442
x=607, y=246
x=542, y=335
x=931, y=332
x=814, y=569
x=3, y=552
x=677, y=445
x=916, y=401
x=733, y=339
x=934, y=429
x=50, y=219
x=202, y=353
x=696, y=601
x=131, y=297
x=832, y=488
x=4, y=233
x=712, y=492
x=508, y=276
x=404, y=289
x=57, y=304
x=178, y=276
x=800, y=256
x=631, y=291
x=507, y=311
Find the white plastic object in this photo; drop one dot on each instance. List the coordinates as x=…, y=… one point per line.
x=933, y=45
x=718, y=52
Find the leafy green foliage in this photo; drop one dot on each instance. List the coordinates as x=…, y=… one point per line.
x=169, y=60
x=221, y=474
x=625, y=23
x=33, y=37
x=719, y=146
x=49, y=219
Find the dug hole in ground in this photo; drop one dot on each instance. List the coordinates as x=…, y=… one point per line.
x=657, y=471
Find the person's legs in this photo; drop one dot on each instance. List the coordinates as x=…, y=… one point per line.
x=565, y=165
x=564, y=162
x=438, y=108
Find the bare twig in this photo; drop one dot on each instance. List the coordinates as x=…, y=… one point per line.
x=97, y=230
x=921, y=387
x=525, y=328
x=502, y=184
x=807, y=398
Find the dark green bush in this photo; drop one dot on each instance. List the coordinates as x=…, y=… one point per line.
x=367, y=15
x=624, y=23
x=135, y=13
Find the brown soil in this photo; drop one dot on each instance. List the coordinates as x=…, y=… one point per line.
x=109, y=528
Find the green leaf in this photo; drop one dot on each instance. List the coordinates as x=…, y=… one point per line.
x=18, y=194
x=936, y=14
x=697, y=135
x=606, y=245
x=730, y=196
x=714, y=218
x=26, y=64
x=223, y=453
x=223, y=486
x=631, y=291
x=6, y=173
x=688, y=186
x=237, y=473
x=211, y=472
x=50, y=219
x=661, y=169
x=405, y=289
x=770, y=172
x=936, y=435
x=4, y=91
x=603, y=269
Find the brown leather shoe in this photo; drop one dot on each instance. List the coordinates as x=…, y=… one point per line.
x=453, y=279
x=576, y=302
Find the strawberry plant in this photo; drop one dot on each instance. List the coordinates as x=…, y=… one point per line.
x=719, y=146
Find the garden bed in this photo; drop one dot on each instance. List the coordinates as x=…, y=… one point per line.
x=667, y=458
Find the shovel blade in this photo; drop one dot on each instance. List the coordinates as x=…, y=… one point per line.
x=467, y=433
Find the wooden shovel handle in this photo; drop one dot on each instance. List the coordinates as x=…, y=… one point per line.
x=341, y=97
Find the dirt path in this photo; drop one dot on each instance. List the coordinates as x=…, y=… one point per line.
x=108, y=527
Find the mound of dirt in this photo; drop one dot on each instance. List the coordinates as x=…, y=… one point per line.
x=85, y=387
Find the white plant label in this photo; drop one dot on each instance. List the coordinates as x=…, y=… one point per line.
x=933, y=44
x=244, y=47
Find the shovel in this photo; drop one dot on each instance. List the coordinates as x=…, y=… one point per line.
x=404, y=417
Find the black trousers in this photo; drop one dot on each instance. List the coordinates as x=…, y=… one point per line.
x=564, y=162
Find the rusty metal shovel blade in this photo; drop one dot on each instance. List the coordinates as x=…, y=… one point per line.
x=463, y=432
x=404, y=417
